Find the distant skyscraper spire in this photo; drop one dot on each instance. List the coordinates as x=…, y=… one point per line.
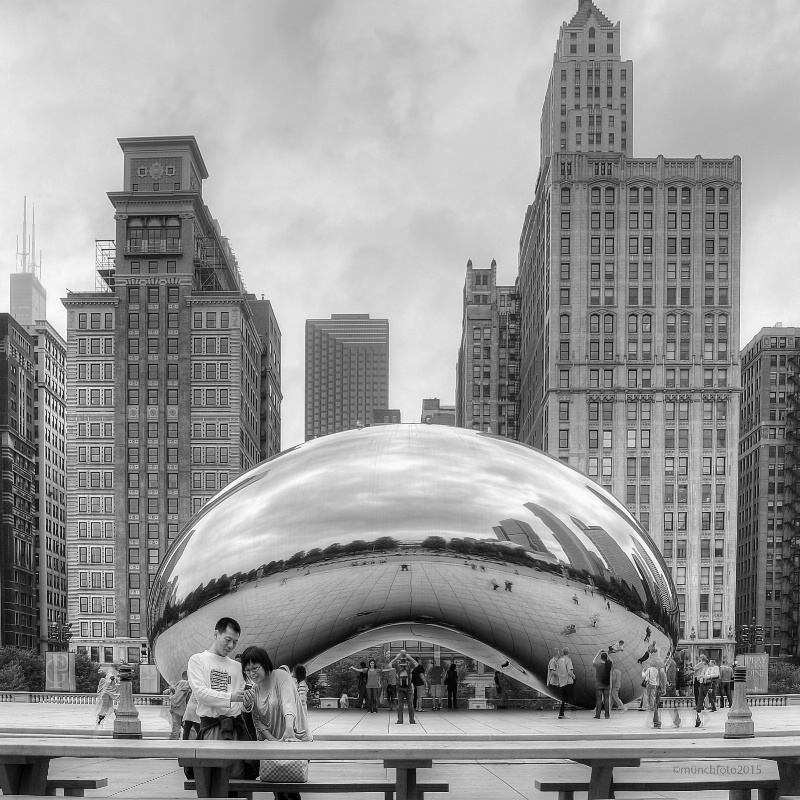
x=27, y=256
x=23, y=256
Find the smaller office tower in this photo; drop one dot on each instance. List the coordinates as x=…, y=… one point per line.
x=18, y=592
x=434, y=413
x=347, y=372
x=270, y=407
x=487, y=372
x=767, y=584
x=28, y=299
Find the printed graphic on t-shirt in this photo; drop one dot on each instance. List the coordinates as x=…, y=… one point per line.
x=220, y=680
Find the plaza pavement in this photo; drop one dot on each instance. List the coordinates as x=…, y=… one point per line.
x=511, y=780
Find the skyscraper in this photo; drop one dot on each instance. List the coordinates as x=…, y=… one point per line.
x=165, y=385
x=487, y=371
x=29, y=308
x=19, y=625
x=629, y=291
x=766, y=577
x=347, y=372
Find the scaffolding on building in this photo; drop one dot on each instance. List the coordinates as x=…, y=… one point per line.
x=790, y=601
x=215, y=266
x=105, y=262
x=512, y=419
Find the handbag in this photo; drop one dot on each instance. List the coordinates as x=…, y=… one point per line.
x=283, y=771
x=644, y=683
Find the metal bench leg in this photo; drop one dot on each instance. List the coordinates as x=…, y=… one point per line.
x=74, y=793
x=566, y=795
x=739, y=794
x=767, y=793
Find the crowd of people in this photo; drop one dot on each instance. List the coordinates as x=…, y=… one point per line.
x=677, y=675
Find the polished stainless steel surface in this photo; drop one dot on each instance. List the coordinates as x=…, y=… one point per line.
x=426, y=532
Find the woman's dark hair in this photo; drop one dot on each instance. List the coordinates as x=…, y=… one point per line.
x=373, y=662
x=256, y=655
x=453, y=668
x=299, y=672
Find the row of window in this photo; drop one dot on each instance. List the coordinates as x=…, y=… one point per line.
x=705, y=575
x=153, y=346
x=643, y=378
x=96, y=580
x=137, y=506
x=608, y=195
x=645, y=320
x=96, y=604
x=645, y=243
x=210, y=319
x=152, y=294
x=153, y=530
x=95, y=555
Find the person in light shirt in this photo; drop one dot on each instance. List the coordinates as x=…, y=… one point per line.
x=218, y=684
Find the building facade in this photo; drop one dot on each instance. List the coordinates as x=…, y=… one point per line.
x=164, y=375
x=19, y=623
x=347, y=372
x=629, y=290
x=271, y=396
x=765, y=587
x=487, y=370
x=434, y=413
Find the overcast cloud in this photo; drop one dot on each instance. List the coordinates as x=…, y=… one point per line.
x=360, y=151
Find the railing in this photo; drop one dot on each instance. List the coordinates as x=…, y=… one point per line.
x=134, y=246
x=72, y=699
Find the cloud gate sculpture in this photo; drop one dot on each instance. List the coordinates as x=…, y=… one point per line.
x=402, y=532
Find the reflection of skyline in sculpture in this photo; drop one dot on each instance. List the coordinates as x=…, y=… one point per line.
x=402, y=532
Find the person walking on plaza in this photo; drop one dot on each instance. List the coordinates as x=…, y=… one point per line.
x=602, y=683
x=191, y=722
x=107, y=695
x=566, y=680
x=370, y=678
x=217, y=681
x=390, y=674
x=402, y=665
x=299, y=674
x=616, y=685
x=552, y=671
x=362, y=684
x=418, y=680
x=712, y=683
x=178, y=698
x=435, y=675
x=451, y=682
x=725, y=684
x=655, y=676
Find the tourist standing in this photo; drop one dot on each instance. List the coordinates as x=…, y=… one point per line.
x=656, y=677
x=178, y=698
x=725, y=684
x=391, y=685
x=403, y=664
x=616, y=685
x=435, y=676
x=362, y=684
x=299, y=674
x=671, y=669
x=712, y=683
x=552, y=671
x=217, y=682
x=191, y=722
x=272, y=698
x=451, y=682
x=602, y=683
x=418, y=680
x=566, y=680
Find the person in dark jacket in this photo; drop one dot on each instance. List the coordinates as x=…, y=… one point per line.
x=451, y=682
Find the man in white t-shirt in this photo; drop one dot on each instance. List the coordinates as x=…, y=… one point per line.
x=218, y=684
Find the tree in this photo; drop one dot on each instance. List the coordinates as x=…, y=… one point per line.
x=87, y=674
x=21, y=670
x=783, y=678
x=434, y=543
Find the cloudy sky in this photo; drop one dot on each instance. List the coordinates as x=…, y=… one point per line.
x=360, y=151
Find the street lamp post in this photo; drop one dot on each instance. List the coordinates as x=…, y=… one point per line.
x=127, y=724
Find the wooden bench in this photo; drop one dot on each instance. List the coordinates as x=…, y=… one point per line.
x=661, y=777
x=74, y=787
x=246, y=789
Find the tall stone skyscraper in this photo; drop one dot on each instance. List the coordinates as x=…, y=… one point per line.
x=347, y=372
x=768, y=583
x=164, y=389
x=487, y=371
x=629, y=290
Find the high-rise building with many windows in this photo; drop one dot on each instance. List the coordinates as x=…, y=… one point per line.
x=629, y=291
x=28, y=306
x=487, y=371
x=347, y=372
x=164, y=390
x=766, y=580
x=19, y=625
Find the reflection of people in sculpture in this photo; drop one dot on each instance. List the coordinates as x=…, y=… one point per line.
x=107, y=695
x=617, y=647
